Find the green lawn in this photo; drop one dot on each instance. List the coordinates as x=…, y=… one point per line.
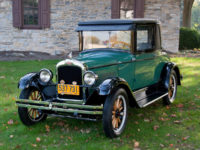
x=154, y=127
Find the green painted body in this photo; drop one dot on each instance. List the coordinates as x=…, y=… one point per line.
x=139, y=70
x=139, y=67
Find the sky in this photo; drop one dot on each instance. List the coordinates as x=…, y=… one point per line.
x=196, y=1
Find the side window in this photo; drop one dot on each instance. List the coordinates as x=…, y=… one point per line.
x=145, y=38
x=158, y=38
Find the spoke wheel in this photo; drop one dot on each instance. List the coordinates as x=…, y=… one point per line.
x=35, y=114
x=119, y=113
x=115, y=113
x=30, y=116
x=172, y=89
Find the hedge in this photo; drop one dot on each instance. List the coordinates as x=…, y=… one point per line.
x=189, y=39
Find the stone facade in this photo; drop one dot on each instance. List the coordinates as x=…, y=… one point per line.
x=65, y=14
x=168, y=12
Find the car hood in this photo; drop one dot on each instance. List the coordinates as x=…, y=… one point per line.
x=100, y=58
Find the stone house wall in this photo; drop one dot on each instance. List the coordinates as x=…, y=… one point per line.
x=61, y=37
x=65, y=14
x=168, y=12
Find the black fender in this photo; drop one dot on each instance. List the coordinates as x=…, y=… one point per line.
x=165, y=75
x=48, y=90
x=107, y=86
x=27, y=81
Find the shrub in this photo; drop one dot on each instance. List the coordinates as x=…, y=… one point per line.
x=189, y=39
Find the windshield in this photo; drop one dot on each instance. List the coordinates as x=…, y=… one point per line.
x=107, y=39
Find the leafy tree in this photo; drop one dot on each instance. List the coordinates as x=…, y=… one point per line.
x=196, y=15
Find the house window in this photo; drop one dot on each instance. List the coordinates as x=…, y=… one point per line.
x=31, y=14
x=127, y=9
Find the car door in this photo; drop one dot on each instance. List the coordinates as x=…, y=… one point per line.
x=145, y=55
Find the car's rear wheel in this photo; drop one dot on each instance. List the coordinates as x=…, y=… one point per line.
x=172, y=90
x=115, y=113
x=30, y=116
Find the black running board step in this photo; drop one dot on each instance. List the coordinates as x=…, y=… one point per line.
x=151, y=99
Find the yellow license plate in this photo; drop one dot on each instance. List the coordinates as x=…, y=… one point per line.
x=68, y=89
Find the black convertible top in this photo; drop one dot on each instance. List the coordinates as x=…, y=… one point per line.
x=117, y=21
x=112, y=24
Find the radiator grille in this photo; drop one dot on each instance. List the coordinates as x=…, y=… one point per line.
x=70, y=74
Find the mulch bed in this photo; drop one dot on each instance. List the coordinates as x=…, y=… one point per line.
x=24, y=55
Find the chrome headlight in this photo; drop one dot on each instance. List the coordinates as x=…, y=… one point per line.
x=90, y=78
x=45, y=75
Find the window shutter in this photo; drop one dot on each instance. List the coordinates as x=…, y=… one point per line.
x=139, y=8
x=115, y=4
x=45, y=13
x=17, y=13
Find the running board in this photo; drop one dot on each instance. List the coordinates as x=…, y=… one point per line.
x=154, y=100
x=151, y=99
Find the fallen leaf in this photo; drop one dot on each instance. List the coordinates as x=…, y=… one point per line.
x=11, y=136
x=136, y=144
x=173, y=115
x=155, y=127
x=180, y=106
x=87, y=130
x=47, y=127
x=76, y=128
x=167, y=107
x=34, y=145
x=161, y=145
x=16, y=122
x=38, y=139
x=146, y=120
x=69, y=138
x=163, y=119
x=164, y=114
x=61, y=123
x=1, y=144
x=18, y=146
x=197, y=96
x=61, y=136
x=6, y=109
x=66, y=125
x=2, y=77
x=140, y=115
x=177, y=121
x=10, y=122
x=136, y=122
x=185, y=138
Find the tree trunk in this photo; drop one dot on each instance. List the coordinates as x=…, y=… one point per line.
x=187, y=13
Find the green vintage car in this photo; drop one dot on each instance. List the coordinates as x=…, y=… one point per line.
x=121, y=63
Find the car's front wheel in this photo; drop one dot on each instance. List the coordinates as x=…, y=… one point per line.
x=172, y=89
x=115, y=113
x=30, y=116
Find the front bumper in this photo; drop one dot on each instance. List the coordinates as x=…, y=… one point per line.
x=59, y=107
